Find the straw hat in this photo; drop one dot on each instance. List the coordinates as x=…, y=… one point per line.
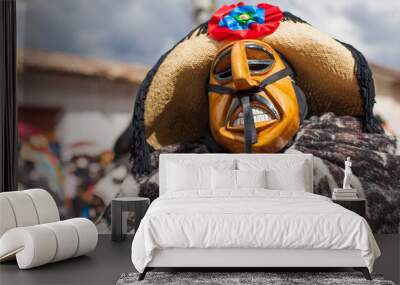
x=172, y=104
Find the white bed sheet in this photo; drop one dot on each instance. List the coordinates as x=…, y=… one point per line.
x=252, y=218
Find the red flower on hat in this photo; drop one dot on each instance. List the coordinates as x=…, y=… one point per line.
x=240, y=21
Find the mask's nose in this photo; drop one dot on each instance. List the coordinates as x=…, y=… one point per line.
x=240, y=68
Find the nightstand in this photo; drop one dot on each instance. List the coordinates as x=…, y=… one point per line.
x=356, y=205
x=138, y=205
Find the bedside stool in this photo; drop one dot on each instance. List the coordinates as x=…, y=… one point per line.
x=356, y=205
x=138, y=205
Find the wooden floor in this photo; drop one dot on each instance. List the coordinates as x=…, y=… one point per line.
x=110, y=260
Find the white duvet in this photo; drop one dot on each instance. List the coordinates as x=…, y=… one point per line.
x=254, y=218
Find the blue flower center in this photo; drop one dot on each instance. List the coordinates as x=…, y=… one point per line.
x=241, y=17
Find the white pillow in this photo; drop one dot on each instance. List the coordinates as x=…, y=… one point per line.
x=291, y=175
x=223, y=179
x=292, y=178
x=251, y=178
x=181, y=177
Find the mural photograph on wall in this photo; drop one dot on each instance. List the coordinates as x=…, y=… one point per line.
x=216, y=78
x=253, y=79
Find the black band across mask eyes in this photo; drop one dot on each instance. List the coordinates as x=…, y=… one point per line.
x=245, y=97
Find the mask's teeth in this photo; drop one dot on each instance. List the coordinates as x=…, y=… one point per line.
x=262, y=118
x=259, y=115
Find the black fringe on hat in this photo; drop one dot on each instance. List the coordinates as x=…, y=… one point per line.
x=367, y=90
x=141, y=150
x=287, y=16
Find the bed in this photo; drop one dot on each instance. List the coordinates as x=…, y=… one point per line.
x=246, y=211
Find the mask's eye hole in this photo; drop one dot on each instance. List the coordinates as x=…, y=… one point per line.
x=258, y=65
x=260, y=60
x=224, y=75
x=222, y=66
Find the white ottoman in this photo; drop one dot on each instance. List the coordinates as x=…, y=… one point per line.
x=37, y=245
x=26, y=208
x=31, y=232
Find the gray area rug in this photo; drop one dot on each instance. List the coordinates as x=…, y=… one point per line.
x=231, y=278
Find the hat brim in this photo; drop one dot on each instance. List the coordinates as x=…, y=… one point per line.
x=172, y=104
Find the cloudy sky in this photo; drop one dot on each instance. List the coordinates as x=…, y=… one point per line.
x=139, y=31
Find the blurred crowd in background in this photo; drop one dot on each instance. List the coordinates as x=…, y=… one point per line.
x=71, y=181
